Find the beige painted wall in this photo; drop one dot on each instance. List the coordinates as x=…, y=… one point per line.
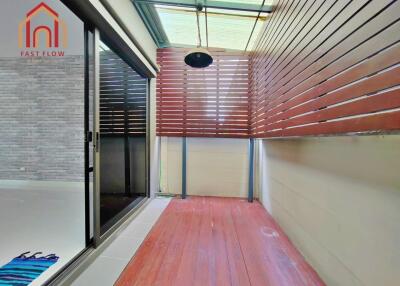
x=127, y=16
x=338, y=199
x=133, y=39
x=215, y=167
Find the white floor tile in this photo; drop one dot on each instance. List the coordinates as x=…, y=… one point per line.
x=124, y=247
x=41, y=216
x=104, y=271
x=138, y=229
x=107, y=267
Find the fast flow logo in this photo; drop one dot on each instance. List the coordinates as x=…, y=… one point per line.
x=42, y=33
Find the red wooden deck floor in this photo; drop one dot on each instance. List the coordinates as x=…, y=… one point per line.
x=204, y=241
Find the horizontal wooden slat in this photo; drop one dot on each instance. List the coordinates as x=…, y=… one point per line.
x=203, y=121
x=208, y=135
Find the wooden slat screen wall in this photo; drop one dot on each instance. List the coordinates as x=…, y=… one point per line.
x=327, y=67
x=122, y=97
x=210, y=102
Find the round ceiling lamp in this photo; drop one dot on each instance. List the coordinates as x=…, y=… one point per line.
x=199, y=57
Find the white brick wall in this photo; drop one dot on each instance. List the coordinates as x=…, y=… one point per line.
x=41, y=118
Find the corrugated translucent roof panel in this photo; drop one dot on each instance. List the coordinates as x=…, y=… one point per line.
x=179, y=24
x=229, y=29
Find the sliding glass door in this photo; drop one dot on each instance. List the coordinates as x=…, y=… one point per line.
x=73, y=151
x=123, y=131
x=42, y=149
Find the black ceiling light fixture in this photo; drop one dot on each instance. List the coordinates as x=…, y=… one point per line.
x=199, y=57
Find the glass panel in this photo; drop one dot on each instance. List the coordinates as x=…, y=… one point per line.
x=236, y=4
x=42, y=178
x=229, y=29
x=180, y=24
x=123, y=96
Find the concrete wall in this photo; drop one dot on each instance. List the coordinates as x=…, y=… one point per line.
x=215, y=167
x=338, y=199
x=41, y=118
x=127, y=16
x=135, y=38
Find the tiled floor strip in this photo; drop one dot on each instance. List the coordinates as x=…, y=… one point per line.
x=104, y=271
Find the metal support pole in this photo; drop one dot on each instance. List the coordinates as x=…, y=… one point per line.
x=251, y=170
x=184, y=155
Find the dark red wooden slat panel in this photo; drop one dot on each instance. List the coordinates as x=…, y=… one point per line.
x=385, y=101
x=377, y=122
x=377, y=82
x=332, y=68
x=210, y=102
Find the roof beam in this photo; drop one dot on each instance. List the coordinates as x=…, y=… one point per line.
x=152, y=21
x=216, y=4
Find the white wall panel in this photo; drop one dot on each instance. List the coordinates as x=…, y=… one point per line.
x=215, y=167
x=338, y=199
x=127, y=16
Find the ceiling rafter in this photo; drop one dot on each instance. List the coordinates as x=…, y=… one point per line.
x=216, y=4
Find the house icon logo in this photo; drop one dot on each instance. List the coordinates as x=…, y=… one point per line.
x=32, y=34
